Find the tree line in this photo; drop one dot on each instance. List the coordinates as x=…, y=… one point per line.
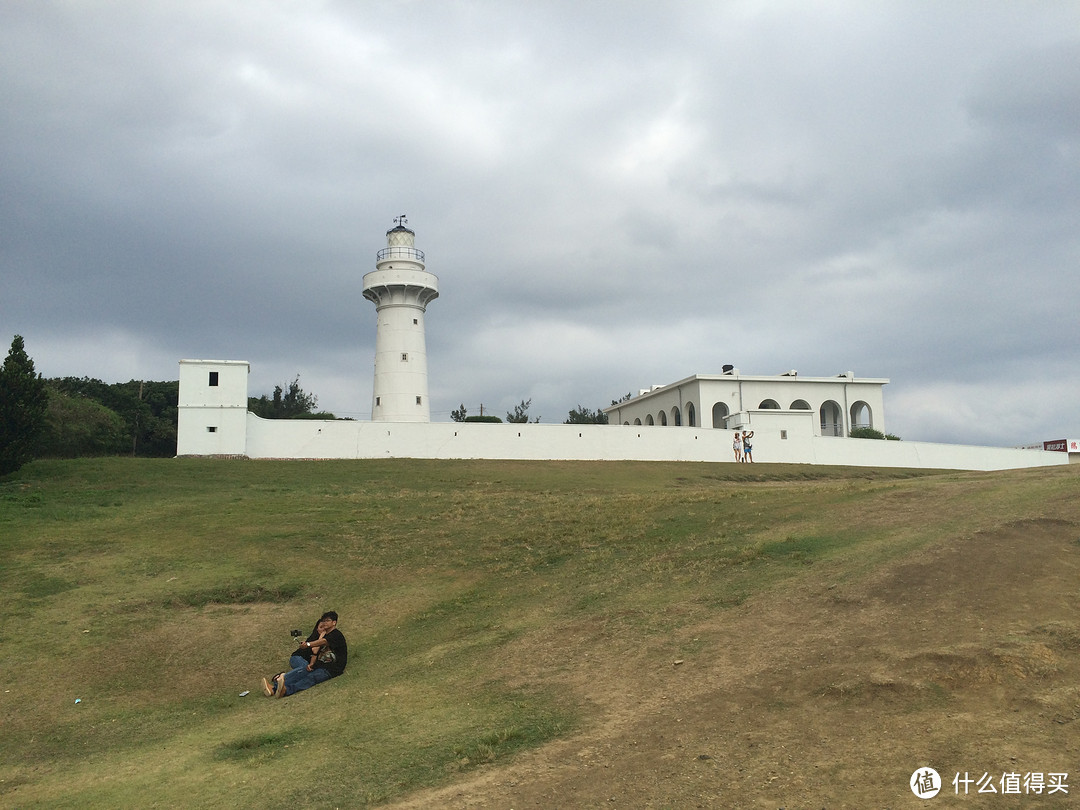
x=520, y=415
x=290, y=402
x=71, y=417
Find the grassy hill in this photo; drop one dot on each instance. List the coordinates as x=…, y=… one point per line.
x=533, y=634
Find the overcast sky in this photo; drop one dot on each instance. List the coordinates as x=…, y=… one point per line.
x=612, y=194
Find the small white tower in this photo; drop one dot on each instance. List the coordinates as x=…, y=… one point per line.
x=401, y=289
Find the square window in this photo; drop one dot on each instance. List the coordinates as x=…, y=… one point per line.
x=378, y=401
x=418, y=400
x=415, y=322
x=211, y=428
x=213, y=379
x=404, y=357
x=783, y=434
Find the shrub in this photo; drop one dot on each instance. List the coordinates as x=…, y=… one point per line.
x=866, y=433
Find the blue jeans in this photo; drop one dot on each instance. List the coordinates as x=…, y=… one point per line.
x=297, y=679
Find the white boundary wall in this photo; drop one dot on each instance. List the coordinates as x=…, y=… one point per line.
x=214, y=421
x=267, y=438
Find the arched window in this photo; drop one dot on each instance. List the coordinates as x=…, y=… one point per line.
x=638, y=421
x=832, y=419
x=719, y=414
x=649, y=419
x=691, y=415
x=676, y=417
x=769, y=405
x=663, y=419
x=800, y=405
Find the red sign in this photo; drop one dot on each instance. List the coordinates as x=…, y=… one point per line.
x=1061, y=445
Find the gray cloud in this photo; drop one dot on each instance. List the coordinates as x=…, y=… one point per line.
x=612, y=195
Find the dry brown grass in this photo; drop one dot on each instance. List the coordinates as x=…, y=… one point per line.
x=831, y=689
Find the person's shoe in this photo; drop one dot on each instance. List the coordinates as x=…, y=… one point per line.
x=268, y=690
x=280, y=687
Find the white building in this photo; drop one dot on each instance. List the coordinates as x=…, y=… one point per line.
x=824, y=406
x=212, y=412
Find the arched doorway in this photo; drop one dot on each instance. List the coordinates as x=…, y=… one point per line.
x=861, y=415
x=832, y=419
x=719, y=414
x=691, y=415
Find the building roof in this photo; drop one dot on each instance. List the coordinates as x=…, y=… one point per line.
x=788, y=377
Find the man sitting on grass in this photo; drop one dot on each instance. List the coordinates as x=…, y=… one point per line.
x=321, y=656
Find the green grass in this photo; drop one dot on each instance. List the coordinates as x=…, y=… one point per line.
x=155, y=591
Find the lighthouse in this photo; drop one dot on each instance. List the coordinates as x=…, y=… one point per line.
x=401, y=288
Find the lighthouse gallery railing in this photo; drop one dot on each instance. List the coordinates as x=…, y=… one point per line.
x=400, y=252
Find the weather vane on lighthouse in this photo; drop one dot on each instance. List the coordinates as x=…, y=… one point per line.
x=400, y=220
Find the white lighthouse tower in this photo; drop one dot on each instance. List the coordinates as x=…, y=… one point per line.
x=401, y=289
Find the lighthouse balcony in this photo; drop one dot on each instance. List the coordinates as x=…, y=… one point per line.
x=400, y=252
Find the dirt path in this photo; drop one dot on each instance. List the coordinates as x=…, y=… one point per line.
x=965, y=658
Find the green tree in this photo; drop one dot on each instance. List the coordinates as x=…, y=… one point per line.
x=156, y=428
x=292, y=402
x=149, y=410
x=23, y=402
x=521, y=413
x=77, y=426
x=460, y=414
x=583, y=416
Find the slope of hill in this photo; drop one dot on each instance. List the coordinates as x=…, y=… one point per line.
x=830, y=691
x=537, y=635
